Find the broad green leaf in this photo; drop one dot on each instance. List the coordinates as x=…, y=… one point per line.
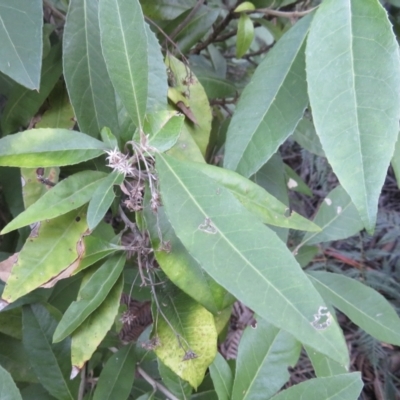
x=163, y=128
x=189, y=357
x=158, y=80
x=177, y=386
x=338, y=387
x=35, y=392
x=24, y=103
x=109, y=138
x=264, y=355
x=15, y=360
x=295, y=183
x=216, y=87
x=65, y=292
x=49, y=253
x=166, y=9
x=396, y=162
x=245, y=35
x=51, y=362
x=90, y=89
x=21, y=41
x=306, y=136
x=116, y=378
x=91, y=294
x=125, y=49
x=8, y=389
x=255, y=199
x=271, y=105
x=337, y=217
x=221, y=375
x=353, y=74
x=11, y=323
x=244, y=256
x=305, y=254
x=69, y=194
x=192, y=32
x=184, y=81
x=102, y=198
x=32, y=187
x=245, y=6
x=47, y=148
x=60, y=113
x=323, y=365
x=363, y=305
x=180, y=267
x=10, y=180
x=88, y=336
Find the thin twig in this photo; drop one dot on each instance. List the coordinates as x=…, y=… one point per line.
x=283, y=14
x=54, y=10
x=82, y=384
x=263, y=50
x=186, y=21
x=156, y=385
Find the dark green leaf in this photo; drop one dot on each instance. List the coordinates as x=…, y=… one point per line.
x=166, y=9
x=48, y=148
x=221, y=375
x=323, y=365
x=306, y=137
x=21, y=41
x=8, y=389
x=174, y=384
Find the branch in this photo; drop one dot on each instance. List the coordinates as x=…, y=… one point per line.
x=155, y=384
x=283, y=14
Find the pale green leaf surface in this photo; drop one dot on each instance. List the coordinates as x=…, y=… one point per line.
x=116, y=378
x=60, y=113
x=8, y=389
x=46, y=253
x=271, y=105
x=338, y=387
x=353, y=74
x=91, y=294
x=323, y=365
x=102, y=198
x=69, y=194
x=89, y=86
x=245, y=35
x=264, y=355
x=109, y=138
x=363, y=305
x=243, y=255
x=186, y=82
x=221, y=375
x=180, y=267
x=88, y=336
x=196, y=327
x=48, y=148
x=51, y=362
x=174, y=384
x=24, y=103
x=337, y=217
x=396, y=162
x=306, y=136
x=294, y=181
x=257, y=200
x=125, y=50
x=21, y=41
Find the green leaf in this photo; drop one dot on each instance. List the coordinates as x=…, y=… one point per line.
x=221, y=375
x=271, y=105
x=48, y=254
x=102, y=198
x=295, y=183
x=47, y=148
x=109, y=138
x=8, y=389
x=174, y=384
x=166, y=9
x=338, y=387
x=192, y=32
x=21, y=41
x=353, y=74
x=306, y=136
x=11, y=323
x=24, y=103
x=264, y=355
x=185, y=82
x=51, y=362
x=180, y=267
x=125, y=49
x=255, y=199
x=324, y=366
x=88, y=336
x=69, y=194
x=245, y=35
x=91, y=294
x=337, y=217
x=363, y=305
x=197, y=334
x=60, y=113
x=116, y=378
x=396, y=162
x=90, y=89
x=216, y=87
x=245, y=6
x=244, y=256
